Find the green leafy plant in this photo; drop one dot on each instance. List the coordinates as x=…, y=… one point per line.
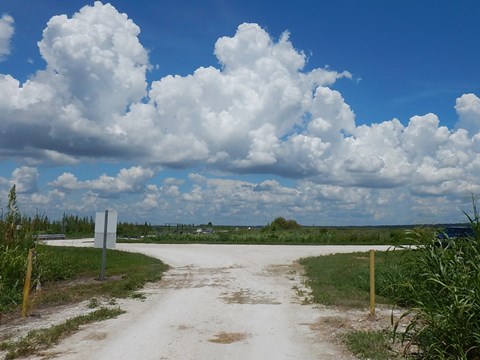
x=12, y=273
x=14, y=245
x=444, y=292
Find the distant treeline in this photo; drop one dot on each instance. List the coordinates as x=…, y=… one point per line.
x=74, y=226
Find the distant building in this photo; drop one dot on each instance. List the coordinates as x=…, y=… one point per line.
x=204, y=231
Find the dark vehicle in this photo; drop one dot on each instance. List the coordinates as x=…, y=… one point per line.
x=454, y=232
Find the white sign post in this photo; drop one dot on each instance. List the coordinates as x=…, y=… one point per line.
x=106, y=226
x=107, y=237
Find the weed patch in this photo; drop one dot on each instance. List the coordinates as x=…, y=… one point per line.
x=373, y=345
x=38, y=340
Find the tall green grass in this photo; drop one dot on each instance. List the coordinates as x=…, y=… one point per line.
x=14, y=245
x=12, y=273
x=444, y=293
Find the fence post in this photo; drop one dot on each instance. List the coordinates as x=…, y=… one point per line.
x=372, y=283
x=28, y=280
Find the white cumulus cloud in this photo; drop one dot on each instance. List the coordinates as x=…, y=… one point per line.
x=132, y=180
x=96, y=68
x=468, y=109
x=25, y=178
x=7, y=30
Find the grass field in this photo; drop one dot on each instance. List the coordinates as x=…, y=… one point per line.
x=69, y=274
x=343, y=279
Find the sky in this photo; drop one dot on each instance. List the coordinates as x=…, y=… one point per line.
x=236, y=112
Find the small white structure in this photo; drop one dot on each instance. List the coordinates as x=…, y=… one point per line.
x=111, y=229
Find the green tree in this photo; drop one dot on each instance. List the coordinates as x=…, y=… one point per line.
x=281, y=224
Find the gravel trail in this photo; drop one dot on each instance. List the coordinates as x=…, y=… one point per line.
x=216, y=302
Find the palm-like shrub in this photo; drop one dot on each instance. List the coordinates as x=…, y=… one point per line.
x=444, y=291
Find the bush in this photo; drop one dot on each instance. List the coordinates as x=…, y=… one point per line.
x=444, y=290
x=281, y=224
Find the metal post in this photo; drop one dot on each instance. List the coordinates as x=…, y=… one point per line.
x=372, y=283
x=104, y=249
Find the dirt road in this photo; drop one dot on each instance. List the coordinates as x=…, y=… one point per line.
x=217, y=302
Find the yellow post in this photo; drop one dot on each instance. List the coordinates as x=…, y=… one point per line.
x=372, y=283
x=28, y=280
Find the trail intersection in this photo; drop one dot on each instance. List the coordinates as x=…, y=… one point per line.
x=218, y=302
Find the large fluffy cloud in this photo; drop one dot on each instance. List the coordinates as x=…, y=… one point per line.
x=97, y=57
x=6, y=32
x=95, y=70
x=260, y=112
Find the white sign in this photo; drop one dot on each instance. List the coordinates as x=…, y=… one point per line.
x=111, y=229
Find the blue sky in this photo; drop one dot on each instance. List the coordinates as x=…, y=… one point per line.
x=330, y=113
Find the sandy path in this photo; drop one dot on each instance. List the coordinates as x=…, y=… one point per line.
x=217, y=302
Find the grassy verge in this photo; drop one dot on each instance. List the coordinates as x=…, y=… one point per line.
x=69, y=274
x=343, y=280
x=38, y=340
